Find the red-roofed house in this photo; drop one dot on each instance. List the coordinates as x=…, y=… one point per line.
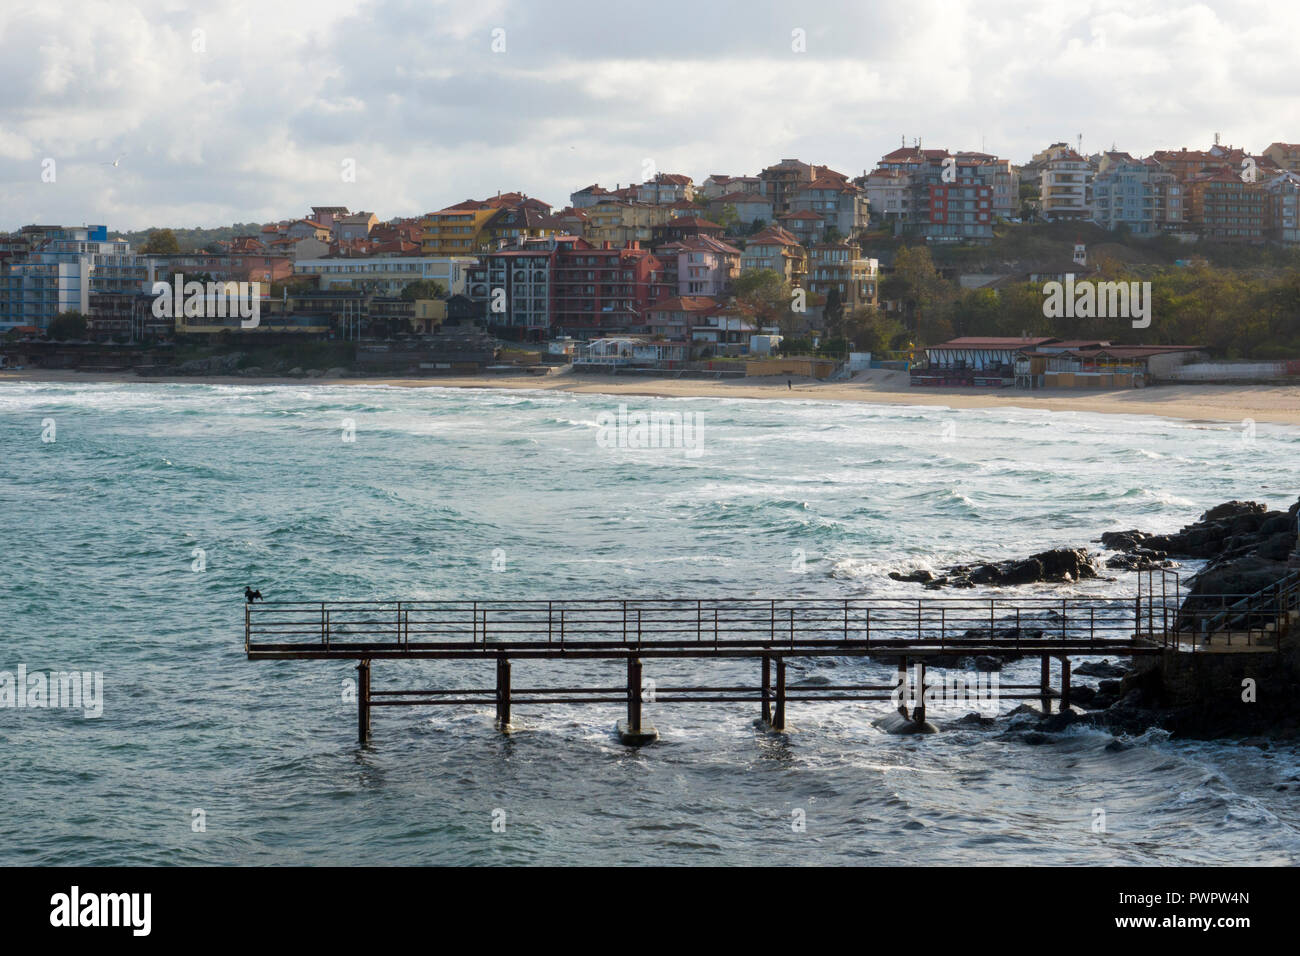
x=699, y=266
x=776, y=249
x=685, y=227
x=840, y=204
x=665, y=188
x=305, y=228
x=807, y=227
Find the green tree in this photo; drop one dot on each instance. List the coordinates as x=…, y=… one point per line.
x=423, y=289
x=871, y=330
x=67, y=325
x=729, y=219
x=161, y=242
x=916, y=284
x=764, y=291
x=833, y=310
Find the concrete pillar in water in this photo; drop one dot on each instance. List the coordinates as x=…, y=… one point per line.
x=633, y=731
x=767, y=689
x=363, y=702
x=503, y=693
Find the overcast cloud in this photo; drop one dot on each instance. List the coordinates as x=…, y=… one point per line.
x=254, y=118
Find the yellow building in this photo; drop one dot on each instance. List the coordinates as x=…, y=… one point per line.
x=622, y=222
x=458, y=231
x=429, y=314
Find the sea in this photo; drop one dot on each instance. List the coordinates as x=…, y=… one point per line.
x=134, y=514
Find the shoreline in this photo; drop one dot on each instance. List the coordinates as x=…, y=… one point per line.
x=1233, y=404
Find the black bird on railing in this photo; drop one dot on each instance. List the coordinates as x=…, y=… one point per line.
x=250, y=595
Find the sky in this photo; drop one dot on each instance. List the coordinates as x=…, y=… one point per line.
x=235, y=111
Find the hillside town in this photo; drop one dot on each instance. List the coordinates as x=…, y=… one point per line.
x=804, y=267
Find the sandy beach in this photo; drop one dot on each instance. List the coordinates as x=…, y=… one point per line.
x=1229, y=403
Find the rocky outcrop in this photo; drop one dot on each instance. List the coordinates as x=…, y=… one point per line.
x=1246, y=546
x=1230, y=530
x=1058, y=565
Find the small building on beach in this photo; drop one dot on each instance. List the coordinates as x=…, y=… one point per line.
x=1100, y=365
x=970, y=360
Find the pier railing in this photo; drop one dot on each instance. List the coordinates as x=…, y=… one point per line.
x=698, y=627
x=1250, y=620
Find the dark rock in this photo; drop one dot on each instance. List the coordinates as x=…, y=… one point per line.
x=1102, y=668
x=1122, y=540
x=1055, y=723
x=1057, y=565
x=1082, y=695
x=1233, y=509
x=1139, y=559
x=919, y=576
x=1116, y=745
x=972, y=720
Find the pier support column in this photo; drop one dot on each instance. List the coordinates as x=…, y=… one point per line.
x=503, y=693
x=767, y=689
x=778, y=714
x=363, y=702
x=1045, y=684
x=902, y=686
x=632, y=731
x=1065, y=684
x=918, y=712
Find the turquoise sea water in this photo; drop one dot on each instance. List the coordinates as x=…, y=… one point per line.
x=98, y=545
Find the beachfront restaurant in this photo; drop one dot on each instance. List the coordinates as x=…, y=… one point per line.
x=612, y=353
x=982, y=362
x=1101, y=366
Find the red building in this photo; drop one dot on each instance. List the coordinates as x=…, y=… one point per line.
x=600, y=291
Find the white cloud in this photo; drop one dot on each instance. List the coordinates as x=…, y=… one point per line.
x=255, y=125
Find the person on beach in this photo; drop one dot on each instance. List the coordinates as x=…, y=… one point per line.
x=789, y=384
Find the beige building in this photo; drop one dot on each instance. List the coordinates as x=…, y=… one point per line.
x=776, y=249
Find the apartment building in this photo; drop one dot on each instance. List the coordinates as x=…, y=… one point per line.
x=888, y=191
x=603, y=289
x=838, y=203
x=1282, y=213
x=1140, y=195
x=385, y=275
x=721, y=185
x=950, y=201
x=54, y=269
x=1224, y=208
x=520, y=287
x=477, y=225
x=781, y=181
x=699, y=266
x=666, y=188
x=749, y=207
x=776, y=249
x=842, y=267
x=1285, y=156
x=1065, y=183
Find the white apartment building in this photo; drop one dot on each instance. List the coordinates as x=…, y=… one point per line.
x=387, y=275
x=1065, y=191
